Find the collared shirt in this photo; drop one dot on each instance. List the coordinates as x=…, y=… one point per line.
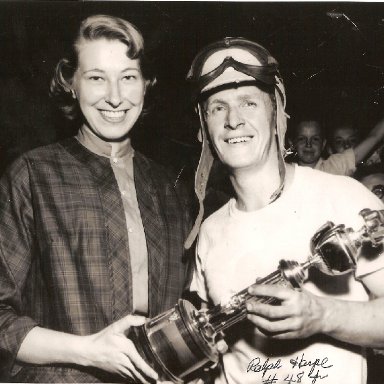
x=121, y=159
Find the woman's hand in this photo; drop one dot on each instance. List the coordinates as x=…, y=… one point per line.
x=112, y=351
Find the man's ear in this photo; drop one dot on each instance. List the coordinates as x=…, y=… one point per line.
x=290, y=142
x=328, y=149
x=324, y=144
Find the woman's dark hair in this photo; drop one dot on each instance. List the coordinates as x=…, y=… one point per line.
x=94, y=28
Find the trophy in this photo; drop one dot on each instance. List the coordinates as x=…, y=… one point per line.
x=183, y=339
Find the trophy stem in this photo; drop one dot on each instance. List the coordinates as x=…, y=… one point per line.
x=290, y=273
x=224, y=316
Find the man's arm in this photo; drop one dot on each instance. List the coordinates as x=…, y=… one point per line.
x=370, y=142
x=302, y=314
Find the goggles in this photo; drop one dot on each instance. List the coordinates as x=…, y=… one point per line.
x=232, y=60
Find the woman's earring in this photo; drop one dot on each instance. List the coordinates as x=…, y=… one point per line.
x=73, y=94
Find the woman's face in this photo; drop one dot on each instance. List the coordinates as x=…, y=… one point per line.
x=109, y=87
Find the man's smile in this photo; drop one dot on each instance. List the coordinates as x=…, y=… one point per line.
x=240, y=139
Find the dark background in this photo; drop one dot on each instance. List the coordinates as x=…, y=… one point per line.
x=331, y=57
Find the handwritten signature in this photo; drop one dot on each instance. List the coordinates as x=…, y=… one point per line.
x=256, y=366
x=301, y=367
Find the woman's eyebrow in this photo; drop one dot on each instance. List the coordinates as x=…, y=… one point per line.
x=103, y=71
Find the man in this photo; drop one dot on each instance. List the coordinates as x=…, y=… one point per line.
x=309, y=141
x=373, y=178
x=343, y=138
x=317, y=333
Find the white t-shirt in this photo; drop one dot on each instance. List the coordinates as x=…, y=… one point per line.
x=236, y=247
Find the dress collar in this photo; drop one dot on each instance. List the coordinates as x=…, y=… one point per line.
x=103, y=148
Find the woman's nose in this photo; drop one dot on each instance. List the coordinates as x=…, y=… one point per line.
x=113, y=97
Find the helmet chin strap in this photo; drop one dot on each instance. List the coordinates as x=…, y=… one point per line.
x=281, y=128
x=201, y=178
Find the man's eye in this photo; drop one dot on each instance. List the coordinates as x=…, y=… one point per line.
x=300, y=140
x=96, y=78
x=216, y=109
x=316, y=140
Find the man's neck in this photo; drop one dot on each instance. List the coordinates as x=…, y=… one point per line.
x=254, y=187
x=311, y=165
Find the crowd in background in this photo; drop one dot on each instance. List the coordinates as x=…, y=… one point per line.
x=341, y=149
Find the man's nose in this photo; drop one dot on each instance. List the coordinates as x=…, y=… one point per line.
x=347, y=144
x=234, y=118
x=113, y=97
x=308, y=142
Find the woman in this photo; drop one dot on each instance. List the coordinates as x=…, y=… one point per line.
x=91, y=232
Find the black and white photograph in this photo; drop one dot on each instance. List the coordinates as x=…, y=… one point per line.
x=191, y=192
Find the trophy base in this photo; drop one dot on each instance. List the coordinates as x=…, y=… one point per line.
x=172, y=344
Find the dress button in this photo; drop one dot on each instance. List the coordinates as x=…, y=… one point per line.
x=130, y=230
x=115, y=160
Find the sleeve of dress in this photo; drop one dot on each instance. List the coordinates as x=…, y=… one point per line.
x=16, y=223
x=339, y=163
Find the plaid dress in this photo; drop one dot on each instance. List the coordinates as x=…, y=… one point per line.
x=64, y=256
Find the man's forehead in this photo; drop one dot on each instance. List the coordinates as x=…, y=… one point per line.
x=309, y=127
x=344, y=131
x=375, y=178
x=240, y=92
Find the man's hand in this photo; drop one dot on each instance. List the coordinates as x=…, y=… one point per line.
x=300, y=314
x=112, y=351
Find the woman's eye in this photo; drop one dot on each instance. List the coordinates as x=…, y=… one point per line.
x=129, y=77
x=250, y=104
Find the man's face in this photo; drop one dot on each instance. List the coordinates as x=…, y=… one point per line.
x=309, y=143
x=375, y=183
x=343, y=138
x=240, y=125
